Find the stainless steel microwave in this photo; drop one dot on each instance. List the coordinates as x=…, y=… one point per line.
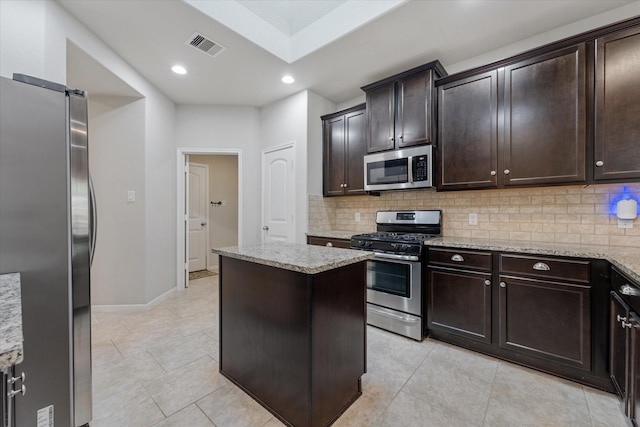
x=399, y=169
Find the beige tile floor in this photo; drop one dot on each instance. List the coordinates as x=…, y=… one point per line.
x=160, y=368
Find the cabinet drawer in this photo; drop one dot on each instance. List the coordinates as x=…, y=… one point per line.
x=550, y=268
x=461, y=259
x=322, y=241
x=627, y=289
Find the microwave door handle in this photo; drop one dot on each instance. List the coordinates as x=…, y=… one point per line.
x=410, y=167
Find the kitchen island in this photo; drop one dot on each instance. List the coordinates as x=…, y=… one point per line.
x=293, y=328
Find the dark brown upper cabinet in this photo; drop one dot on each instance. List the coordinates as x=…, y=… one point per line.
x=401, y=109
x=617, y=106
x=344, y=147
x=544, y=127
x=468, y=133
x=563, y=113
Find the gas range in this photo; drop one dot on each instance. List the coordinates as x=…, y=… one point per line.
x=400, y=232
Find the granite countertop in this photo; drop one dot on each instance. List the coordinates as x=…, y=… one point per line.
x=11, y=340
x=308, y=259
x=334, y=234
x=626, y=259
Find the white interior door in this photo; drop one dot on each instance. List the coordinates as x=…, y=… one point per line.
x=278, y=194
x=197, y=214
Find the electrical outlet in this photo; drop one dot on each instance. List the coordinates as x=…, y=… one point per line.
x=625, y=223
x=357, y=216
x=473, y=219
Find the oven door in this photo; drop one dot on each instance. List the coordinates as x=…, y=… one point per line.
x=394, y=281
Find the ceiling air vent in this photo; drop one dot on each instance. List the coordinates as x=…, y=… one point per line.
x=204, y=44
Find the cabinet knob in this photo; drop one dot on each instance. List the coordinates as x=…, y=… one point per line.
x=24, y=376
x=493, y=173
x=599, y=163
x=626, y=324
x=329, y=244
x=487, y=282
x=345, y=185
x=22, y=390
x=620, y=318
x=507, y=171
x=503, y=285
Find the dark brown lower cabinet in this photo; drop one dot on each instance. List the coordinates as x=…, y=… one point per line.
x=550, y=320
x=546, y=312
x=459, y=302
x=294, y=342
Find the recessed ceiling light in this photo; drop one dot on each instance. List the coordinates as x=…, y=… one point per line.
x=288, y=79
x=179, y=69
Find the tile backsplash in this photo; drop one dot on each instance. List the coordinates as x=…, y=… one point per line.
x=568, y=214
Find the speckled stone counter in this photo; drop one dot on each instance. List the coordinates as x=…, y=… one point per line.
x=306, y=259
x=11, y=339
x=334, y=234
x=626, y=259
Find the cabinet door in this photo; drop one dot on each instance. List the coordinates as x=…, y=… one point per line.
x=414, y=104
x=467, y=130
x=459, y=302
x=356, y=148
x=380, y=118
x=334, y=158
x=617, y=137
x=618, y=336
x=544, y=119
x=549, y=320
x=633, y=378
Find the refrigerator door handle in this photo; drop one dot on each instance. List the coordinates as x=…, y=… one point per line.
x=94, y=220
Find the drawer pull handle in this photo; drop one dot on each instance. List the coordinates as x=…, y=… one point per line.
x=329, y=244
x=457, y=258
x=541, y=266
x=629, y=290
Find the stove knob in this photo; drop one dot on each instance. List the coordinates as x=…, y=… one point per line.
x=367, y=244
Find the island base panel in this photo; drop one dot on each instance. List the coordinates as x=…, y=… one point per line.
x=292, y=341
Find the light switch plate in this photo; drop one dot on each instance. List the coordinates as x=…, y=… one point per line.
x=473, y=219
x=131, y=196
x=357, y=216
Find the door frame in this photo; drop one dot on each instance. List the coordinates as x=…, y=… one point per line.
x=265, y=151
x=182, y=261
x=206, y=213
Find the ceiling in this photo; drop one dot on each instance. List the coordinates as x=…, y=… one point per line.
x=330, y=47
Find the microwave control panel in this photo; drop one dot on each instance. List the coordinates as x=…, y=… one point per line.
x=421, y=168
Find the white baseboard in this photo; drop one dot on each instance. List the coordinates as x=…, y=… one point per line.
x=213, y=269
x=132, y=307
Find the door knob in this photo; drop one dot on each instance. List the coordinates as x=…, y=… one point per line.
x=265, y=228
x=203, y=224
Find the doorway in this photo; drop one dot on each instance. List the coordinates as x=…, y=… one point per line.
x=221, y=204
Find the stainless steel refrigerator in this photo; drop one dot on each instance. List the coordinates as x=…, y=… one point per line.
x=47, y=231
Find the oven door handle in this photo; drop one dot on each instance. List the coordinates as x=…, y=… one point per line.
x=396, y=257
x=388, y=313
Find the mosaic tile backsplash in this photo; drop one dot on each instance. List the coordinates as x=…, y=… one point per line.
x=568, y=214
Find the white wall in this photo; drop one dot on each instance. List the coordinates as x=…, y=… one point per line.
x=33, y=40
x=351, y=103
x=223, y=186
x=317, y=107
x=225, y=127
x=116, y=127
x=281, y=123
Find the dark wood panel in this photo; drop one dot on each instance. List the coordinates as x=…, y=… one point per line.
x=334, y=156
x=380, y=118
x=459, y=302
x=355, y=150
x=617, y=137
x=265, y=324
x=545, y=119
x=322, y=241
x=549, y=320
x=467, y=133
x=414, y=109
x=339, y=337
x=476, y=260
x=559, y=268
x=618, y=341
x=633, y=378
